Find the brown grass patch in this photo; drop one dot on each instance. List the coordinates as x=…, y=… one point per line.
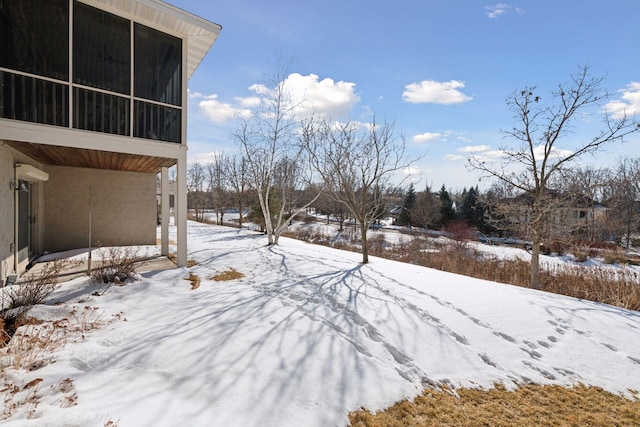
x=230, y=274
x=174, y=258
x=528, y=406
x=171, y=241
x=195, y=281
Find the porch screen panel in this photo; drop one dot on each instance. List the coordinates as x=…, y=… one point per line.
x=158, y=66
x=100, y=112
x=33, y=100
x=101, y=49
x=154, y=121
x=34, y=37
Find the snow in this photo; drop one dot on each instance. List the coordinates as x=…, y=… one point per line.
x=307, y=335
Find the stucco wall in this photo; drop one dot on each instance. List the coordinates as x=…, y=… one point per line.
x=8, y=158
x=6, y=211
x=123, y=208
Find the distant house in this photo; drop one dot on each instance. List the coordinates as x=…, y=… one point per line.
x=93, y=98
x=568, y=214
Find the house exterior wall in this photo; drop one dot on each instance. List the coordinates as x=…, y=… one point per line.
x=8, y=158
x=6, y=212
x=123, y=208
x=59, y=87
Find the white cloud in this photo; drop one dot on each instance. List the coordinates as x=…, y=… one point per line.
x=629, y=102
x=193, y=95
x=500, y=9
x=426, y=137
x=482, y=153
x=220, y=112
x=203, y=158
x=556, y=153
x=497, y=10
x=308, y=95
x=325, y=98
x=411, y=174
x=474, y=149
x=453, y=157
x=430, y=91
x=249, y=102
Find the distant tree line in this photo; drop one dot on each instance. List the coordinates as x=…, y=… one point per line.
x=345, y=171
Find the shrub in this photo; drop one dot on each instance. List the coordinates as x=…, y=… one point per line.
x=580, y=255
x=119, y=266
x=612, y=257
x=377, y=244
x=33, y=289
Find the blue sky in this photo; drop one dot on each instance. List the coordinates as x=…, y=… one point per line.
x=440, y=69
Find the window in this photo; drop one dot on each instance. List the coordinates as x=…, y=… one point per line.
x=101, y=49
x=158, y=66
x=34, y=37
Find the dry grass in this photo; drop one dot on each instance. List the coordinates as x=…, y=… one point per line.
x=174, y=258
x=195, y=281
x=32, y=347
x=230, y=274
x=529, y=406
x=619, y=287
x=33, y=341
x=171, y=241
x=26, y=398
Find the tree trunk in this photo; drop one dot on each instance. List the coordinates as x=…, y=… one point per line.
x=365, y=247
x=535, y=262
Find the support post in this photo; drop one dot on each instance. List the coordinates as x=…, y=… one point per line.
x=181, y=209
x=164, y=213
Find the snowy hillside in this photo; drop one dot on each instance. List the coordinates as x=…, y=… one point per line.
x=307, y=335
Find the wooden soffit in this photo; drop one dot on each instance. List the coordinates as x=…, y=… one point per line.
x=95, y=159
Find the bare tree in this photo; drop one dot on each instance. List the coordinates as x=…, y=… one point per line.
x=270, y=141
x=196, y=176
x=356, y=163
x=623, y=195
x=217, y=186
x=237, y=175
x=530, y=164
x=426, y=212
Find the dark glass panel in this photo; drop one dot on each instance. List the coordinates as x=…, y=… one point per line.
x=100, y=112
x=34, y=37
x=101, y=49
x=33, y=100
x=158, y=66
x=155, y=121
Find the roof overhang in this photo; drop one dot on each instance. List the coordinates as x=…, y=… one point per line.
x=199, y=33
x=87, y=158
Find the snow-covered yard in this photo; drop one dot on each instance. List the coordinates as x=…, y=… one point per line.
x=307, y=335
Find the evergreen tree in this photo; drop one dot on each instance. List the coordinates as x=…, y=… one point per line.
x=472, y=209
x=447, y=212
x=404, y=219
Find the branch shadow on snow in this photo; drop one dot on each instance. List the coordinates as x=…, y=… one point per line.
x=288, y=333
